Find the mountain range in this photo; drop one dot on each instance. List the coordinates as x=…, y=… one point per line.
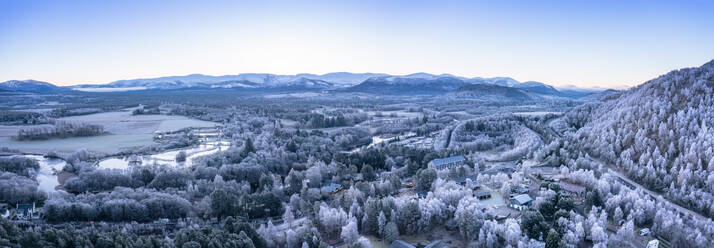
x=375, y=83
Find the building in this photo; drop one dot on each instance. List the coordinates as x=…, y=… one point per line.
x=482, y=194
x=572, y=188
x=520, y=189
x=27, y=211
x=521, y=202
x=401, y=244
x=447, y=163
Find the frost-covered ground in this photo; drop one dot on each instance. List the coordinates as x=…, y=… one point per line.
x=124, y=131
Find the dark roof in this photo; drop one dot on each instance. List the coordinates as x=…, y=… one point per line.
x=482, y=193
x=442, y=161
x=401, y=244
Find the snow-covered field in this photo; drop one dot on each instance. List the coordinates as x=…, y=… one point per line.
x=124, y=131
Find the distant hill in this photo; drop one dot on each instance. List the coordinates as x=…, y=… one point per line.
x=246, y=80
x=407, y=85
x=493, y=92
x=373, y=83
x=31, y=86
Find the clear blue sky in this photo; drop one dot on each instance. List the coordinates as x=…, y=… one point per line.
x=585, y=43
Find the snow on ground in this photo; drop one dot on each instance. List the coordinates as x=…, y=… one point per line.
x=124, y=131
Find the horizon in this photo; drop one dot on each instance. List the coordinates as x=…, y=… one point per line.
x=588, y=45
x=622, y=87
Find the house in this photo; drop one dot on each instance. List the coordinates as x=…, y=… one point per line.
x=572, y=188
x=482, y=194
x=401, y=244
x=521, y=202
x=653, y=243
x=447, y=163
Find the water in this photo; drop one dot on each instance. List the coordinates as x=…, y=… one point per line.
x=46, y=176
x=378, y=139
x=169, y=157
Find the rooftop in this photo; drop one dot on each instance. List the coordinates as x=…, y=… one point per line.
x=523, y=198
x=442, y=161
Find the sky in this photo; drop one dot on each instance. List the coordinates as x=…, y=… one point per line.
x=584, y=43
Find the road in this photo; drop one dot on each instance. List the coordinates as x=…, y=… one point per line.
x=623, y=178
x=654, y=195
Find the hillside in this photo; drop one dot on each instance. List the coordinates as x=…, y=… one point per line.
x=30, y=86
x=493, y=92
x=658, y=135
x=407, y=85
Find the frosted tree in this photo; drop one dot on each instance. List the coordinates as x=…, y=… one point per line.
x=349, y=232
x=598, y=236
x=381, y=223
x=288, y=216
x=624, y=236
x=469, y=218
x=391, y=232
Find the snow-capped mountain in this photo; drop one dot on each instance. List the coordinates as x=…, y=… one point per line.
x=375, y=83
x=248, y=80
x=342, y=78
x=30, y=86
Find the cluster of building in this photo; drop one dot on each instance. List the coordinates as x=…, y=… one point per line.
x=25, y=212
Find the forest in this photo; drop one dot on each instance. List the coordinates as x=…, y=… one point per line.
x=340, y=171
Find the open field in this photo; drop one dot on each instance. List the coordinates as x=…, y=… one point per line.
x=124, y=131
